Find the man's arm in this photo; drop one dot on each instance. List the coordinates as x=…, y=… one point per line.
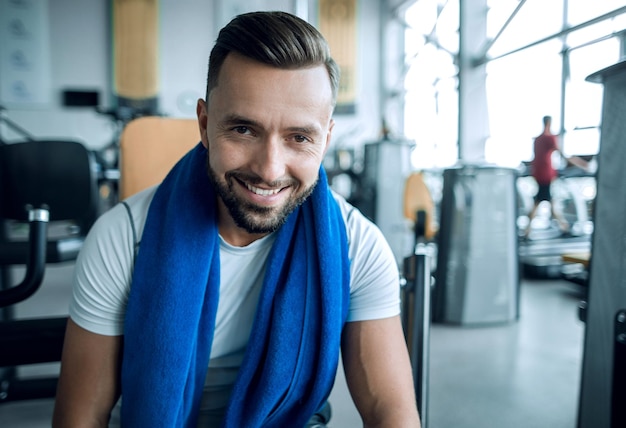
x=575, y=160
x=378, y=373
x=89, y=381
x=579, y=162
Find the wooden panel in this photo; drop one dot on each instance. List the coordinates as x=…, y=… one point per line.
x=150, y=147
x=338, y=24
x=135, y=48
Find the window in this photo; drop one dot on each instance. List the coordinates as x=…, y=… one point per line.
x=535, y=68
x=431, y=100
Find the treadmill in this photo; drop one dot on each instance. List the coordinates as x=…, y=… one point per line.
x=541, y=254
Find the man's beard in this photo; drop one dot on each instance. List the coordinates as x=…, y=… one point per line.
x=250, y=217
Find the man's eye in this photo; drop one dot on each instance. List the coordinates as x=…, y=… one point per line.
x=241, y=129
x=300, y=139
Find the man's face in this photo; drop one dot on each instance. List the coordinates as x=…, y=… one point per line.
x=266, y=131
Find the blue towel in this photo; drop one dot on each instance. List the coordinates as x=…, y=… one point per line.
x=291, y=359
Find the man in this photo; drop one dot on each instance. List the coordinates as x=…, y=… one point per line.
x=254, y=270
x=544, y=173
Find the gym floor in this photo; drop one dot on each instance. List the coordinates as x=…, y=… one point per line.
x=521, y=374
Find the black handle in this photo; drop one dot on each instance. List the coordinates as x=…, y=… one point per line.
x=35, y=266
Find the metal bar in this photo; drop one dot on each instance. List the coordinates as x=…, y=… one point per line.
x=484, y=59
x=31, y=341
x=490, y=43
x=28, y=389
x=416, y=323
x=35, y=265
x=14, y=127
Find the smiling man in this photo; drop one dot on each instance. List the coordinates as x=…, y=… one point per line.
x=225, y=295
x=265, y=150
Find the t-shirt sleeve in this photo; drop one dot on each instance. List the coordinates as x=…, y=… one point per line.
x=102, y=275
x=374, y=276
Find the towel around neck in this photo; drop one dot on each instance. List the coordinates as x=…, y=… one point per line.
x=292, y=355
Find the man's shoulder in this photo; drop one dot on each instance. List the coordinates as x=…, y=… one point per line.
x=135, y=206
x=141, y=200
x=361, y=230
x=347, y=209
x=546, y=138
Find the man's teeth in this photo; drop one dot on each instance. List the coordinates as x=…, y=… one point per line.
x=262, y=192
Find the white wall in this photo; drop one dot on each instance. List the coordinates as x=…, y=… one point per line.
x=79, y=44
x=188, y=31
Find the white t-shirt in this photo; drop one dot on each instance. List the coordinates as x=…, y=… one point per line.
x=105, y=264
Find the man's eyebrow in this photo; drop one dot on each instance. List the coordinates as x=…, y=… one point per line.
x=233, y=119
x=310, y=129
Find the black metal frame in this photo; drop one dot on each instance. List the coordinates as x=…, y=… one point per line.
x=416, y=322
x=40, y=182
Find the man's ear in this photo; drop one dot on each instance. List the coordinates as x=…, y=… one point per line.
x=201, y=112
x=329, y=135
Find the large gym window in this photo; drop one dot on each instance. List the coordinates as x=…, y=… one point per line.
x=536, y=66
x=431, y=97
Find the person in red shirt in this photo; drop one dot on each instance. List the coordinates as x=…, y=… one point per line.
x=544, y=172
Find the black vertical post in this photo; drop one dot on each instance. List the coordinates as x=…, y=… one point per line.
x=618, y=396
x=416, y=323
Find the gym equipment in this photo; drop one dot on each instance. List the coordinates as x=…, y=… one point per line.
x=415, y=296
x=419, y=207
x=603, y=381
x=541, y=254
x=29, y=341
x=49, y=186
x=13, y=127
x=386, y=166
x=477, y=275
x=543, y=258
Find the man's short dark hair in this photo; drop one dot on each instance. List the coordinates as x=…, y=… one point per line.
x=277, y=39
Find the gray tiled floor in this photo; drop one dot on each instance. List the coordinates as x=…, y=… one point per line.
x=524, y=374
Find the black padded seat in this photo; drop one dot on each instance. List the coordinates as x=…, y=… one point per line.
x=59, y=175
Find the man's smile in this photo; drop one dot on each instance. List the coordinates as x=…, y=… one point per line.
x=262, y=192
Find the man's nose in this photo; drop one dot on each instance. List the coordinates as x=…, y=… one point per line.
x=270, y=160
